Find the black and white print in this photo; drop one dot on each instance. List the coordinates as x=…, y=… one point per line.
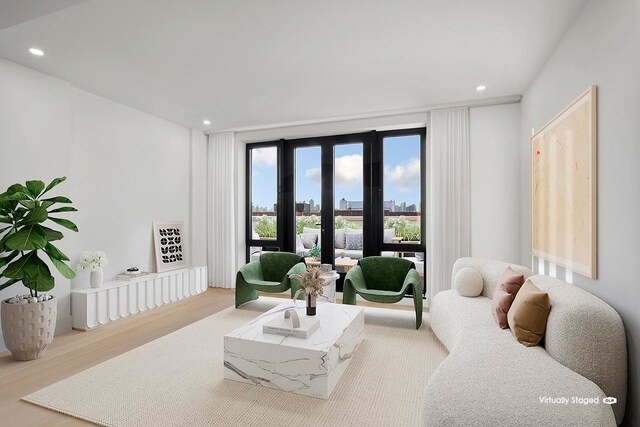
x=170, y=244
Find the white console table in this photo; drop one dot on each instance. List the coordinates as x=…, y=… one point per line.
x=92, y=307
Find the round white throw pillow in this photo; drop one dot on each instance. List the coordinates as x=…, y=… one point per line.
x=468, y=282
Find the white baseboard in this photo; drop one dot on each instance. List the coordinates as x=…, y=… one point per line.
x=63, y=324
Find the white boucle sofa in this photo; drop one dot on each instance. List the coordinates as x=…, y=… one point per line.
x=490, y=379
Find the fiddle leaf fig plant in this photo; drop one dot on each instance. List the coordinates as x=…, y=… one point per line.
x=25, y=239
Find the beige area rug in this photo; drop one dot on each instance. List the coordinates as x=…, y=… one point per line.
x=177, y=380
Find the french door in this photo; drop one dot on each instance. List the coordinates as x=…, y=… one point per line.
x=339, y=197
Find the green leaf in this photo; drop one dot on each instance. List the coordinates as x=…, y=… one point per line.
x=65, y=223
x=19, y=213
x=64, y=209
x=58, y=199
x=13, y=197
x=7, y=259
x=29, y=204
x=36, y=215
x=52, y=235
x=6, y=220
x=46, y=205
x=15, y=269
x=55, y=252
x=62, y=267
x=29, y=238
x=17, y=188
x=9, y=283
x=36, y=274
x=4, y=229
x=54, y=183
x=35, y=187
x=3, y=241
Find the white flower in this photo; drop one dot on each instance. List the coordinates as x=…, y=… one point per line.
x=92, y=261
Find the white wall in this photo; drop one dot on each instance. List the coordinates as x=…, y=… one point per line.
x=495, y=182
x=602, y=48
x=124, y=169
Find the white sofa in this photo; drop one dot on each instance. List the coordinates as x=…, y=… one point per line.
x=490, y=379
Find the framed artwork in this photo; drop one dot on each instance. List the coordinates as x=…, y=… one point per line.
x=170, y=241
x=563, y=188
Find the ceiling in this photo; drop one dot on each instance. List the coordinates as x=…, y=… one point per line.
x=241, y=63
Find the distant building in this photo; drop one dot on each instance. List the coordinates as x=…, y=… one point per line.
x=303, y=207
x=411, y=208
x=389, y=205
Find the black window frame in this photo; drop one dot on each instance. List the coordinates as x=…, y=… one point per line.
x=373, y=192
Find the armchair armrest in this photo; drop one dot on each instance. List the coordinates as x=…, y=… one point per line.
x=300, y=268
x=413, y=278
x=353, y=283
x=251, y=271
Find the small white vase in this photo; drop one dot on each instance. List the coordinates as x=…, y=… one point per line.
x=95, y=278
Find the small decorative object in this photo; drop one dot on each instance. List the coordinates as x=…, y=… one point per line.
x=170, y=240
x=313, y=285
x=133, y=271
x=315, y=252
x=126, y=276
x=93, y=261
x=325, y=268
x=292, y=325
x=29, y=321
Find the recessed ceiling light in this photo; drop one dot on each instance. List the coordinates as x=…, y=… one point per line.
x=206, y=122
x=481, y=88
x=35, y=51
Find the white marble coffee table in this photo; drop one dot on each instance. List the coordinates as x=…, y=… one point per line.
x=311, y=367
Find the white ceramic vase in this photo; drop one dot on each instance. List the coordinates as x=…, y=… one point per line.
x=95, y=278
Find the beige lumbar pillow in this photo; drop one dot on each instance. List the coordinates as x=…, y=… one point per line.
x=528, y=314
x=468, y=282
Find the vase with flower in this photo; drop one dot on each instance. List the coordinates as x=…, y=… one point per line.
x=312, y=284
x=93, y=262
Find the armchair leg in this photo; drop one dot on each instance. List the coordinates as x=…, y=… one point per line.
x=417, y=302
x=348, y=293
x=244, y=293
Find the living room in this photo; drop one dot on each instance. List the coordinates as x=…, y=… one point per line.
x=319, y=213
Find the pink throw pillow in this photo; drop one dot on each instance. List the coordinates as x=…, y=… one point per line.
x=509, y=284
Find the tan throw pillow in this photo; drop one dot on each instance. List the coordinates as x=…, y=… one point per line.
x=528, y=314
x=509, y=284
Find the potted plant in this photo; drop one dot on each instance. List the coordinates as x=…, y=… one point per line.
x=28, y=321
x=315, y=252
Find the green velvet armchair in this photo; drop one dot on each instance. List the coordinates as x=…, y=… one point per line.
x=269, y=274
x=384, y=279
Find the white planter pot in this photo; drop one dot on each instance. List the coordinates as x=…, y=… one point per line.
x=28, y=329
x=96, y=278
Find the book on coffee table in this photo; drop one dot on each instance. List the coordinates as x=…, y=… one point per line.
x=281, y=326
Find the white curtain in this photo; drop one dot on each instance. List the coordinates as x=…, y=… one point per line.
x=448, y=207
x=221, y=242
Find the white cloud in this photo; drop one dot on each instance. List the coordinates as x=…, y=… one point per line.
x=405, y=177
x=313, y=174
x=348, y=171
x=264, y=156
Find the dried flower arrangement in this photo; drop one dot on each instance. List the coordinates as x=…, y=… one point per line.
x=312, y=281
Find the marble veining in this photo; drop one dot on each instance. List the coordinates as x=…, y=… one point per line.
x=310, y=366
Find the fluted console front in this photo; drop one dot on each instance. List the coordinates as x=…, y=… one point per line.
x=117, y=299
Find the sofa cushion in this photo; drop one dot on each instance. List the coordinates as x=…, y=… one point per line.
x=353, y=241
x=509, y=284
x=340, y=240
x=490, y=270
x=491, y=380
x=468, y=282
x=528, y=314
x=309, y=240
x=315, y=231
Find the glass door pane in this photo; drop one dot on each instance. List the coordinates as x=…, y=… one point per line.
x=402, y=189
x=348, y=204
x=264, y=199
x=308, y=192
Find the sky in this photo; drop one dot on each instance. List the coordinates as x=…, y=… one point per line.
x=401, y=172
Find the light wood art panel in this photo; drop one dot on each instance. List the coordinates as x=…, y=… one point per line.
x=563, y=187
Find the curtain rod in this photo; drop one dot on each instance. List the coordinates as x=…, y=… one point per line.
x=512, y=99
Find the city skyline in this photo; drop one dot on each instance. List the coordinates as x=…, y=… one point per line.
x=401, y=174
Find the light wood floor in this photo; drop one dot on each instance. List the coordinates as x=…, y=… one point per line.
x=76, y=351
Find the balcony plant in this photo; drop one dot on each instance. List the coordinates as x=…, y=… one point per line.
x=28, y=321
